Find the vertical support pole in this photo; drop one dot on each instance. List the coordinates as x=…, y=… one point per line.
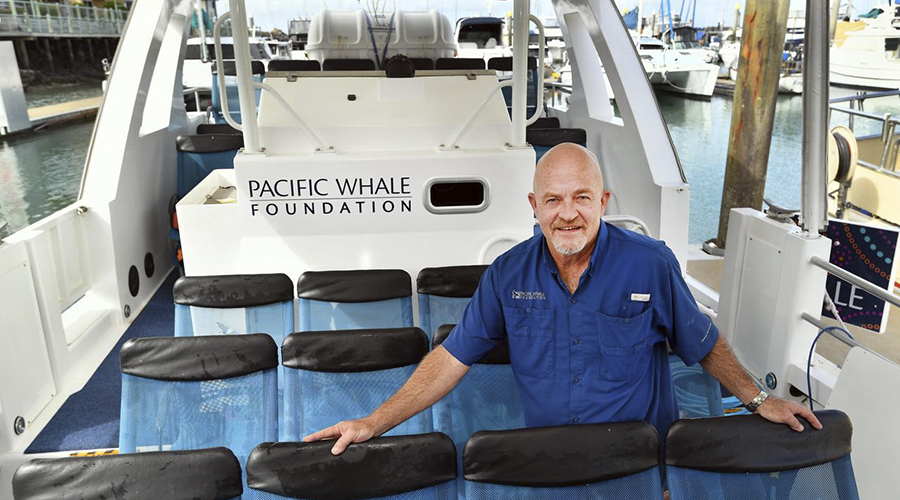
x=737, y=22
x=90, y=49
x=78, y=16
x=49, y=26
x=835, y=13
x=753, y=112
x=520, y=71
x=116, y=14
x=246, y=92
x=71, y=52
x=109, y=54
x=23, y=54
x=49, y=55
x=814, y=217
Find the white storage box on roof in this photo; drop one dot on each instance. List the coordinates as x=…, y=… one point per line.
x=346, y=35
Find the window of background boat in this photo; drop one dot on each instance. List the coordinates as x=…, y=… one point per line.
x=158, y=106
x=891, y=44
x=193, y=51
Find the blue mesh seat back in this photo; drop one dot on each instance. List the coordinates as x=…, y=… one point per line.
x=544, y=139
x=640, y=486
x=443, y=491
x=828, y=481
x=325, y=315
x=531, y=95
x=237, y=413
x=485, y=399
x=435, y=311
x=316, y=400
x=276, y=320
x=234, y=102
x=698, y=393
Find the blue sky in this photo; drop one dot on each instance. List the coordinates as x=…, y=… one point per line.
x=275, y=13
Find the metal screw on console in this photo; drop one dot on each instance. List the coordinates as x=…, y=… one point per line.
x=19, y=425
x=771, y=380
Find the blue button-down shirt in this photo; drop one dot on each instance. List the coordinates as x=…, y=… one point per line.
x=598, y=355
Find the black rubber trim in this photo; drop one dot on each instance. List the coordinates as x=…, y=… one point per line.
x=224, y=129
x=422, y=63
x=553, y=137
x=452, y=281
x=348, y=65
x=545, y=122
x=211, y=474
x=379, y=467
x=256, y=67
x=354, y=286
x=230, y=291
x=192, y=359
x=506, y=63
x=459, y=63
x=496, y=356
x=353, y=351
x=561, y=456
x=294, y=65
x=209, y=143
x=749, y=443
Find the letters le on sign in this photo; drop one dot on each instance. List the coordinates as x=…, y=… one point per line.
x=869, y=253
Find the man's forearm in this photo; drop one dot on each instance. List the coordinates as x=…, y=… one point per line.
x=436, y=375
x=722, y=364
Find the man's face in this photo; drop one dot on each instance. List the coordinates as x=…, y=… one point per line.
x=569, y=200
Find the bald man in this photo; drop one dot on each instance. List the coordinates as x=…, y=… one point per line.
x=587, y=310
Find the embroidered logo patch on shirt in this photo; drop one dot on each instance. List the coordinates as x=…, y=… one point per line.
x=640, y=297
x=517, y=295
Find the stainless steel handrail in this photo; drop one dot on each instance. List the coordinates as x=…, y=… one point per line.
x=863, y=97
x=853, y=279
x=630, y=219
x=821, y=325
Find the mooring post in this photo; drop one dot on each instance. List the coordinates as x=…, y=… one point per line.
x=48, y=54
x=23, y=54
x=737, y=23
x=753, y=111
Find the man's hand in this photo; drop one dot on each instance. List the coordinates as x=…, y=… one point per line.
x=782, y=411
x=346, y=433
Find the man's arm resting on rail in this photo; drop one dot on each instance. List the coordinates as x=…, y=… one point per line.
x=436, y=375
x=722, y=364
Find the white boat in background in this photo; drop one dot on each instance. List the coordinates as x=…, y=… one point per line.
x=675, y=70
x=869, y=55
x=686, y=42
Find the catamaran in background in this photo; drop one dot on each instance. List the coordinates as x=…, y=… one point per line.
x=379, y=169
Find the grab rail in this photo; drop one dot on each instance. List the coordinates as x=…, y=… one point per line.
x=821, y=325
x=618, y=219
x=853, y=279
x=542, y=46
x=220, y=71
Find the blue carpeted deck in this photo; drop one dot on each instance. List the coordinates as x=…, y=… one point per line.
x=89, y=419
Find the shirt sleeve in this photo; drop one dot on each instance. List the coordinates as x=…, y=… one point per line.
x=481, y=327
x=691, y=333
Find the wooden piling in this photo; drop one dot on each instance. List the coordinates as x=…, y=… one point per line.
x=753, y=112
x=48, y=54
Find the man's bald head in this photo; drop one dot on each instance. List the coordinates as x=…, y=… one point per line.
x=567, y=155
x=569, y=199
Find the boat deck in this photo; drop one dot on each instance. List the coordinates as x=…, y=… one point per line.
x=89, y=419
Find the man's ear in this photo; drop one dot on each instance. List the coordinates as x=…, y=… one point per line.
x=532, y=201
x=604, y=199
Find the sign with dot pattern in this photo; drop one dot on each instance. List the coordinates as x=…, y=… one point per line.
x=869, y=253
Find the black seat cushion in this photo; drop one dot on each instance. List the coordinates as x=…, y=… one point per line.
x=217, y=129
x=422, y=63
x=459, y=63
x=348, y=65
x=545, y=122
x=553, y=136
x=256, y=67
x=506, y=63
x=294, y=65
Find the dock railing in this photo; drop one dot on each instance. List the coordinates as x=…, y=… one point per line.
x=21, y=17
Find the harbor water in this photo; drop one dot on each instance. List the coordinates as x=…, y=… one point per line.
x=40, y=172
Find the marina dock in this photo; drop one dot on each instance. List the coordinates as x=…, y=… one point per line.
x=55, y=114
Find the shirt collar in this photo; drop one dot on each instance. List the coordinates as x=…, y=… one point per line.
x=548, y=261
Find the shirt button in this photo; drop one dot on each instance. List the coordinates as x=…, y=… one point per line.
x=576, y=379
x=574, y=419
x=527, y=309
x=574, y=300
x=576, y=341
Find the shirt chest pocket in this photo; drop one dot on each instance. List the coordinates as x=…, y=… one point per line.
x=624, y=345
x=531, y=338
